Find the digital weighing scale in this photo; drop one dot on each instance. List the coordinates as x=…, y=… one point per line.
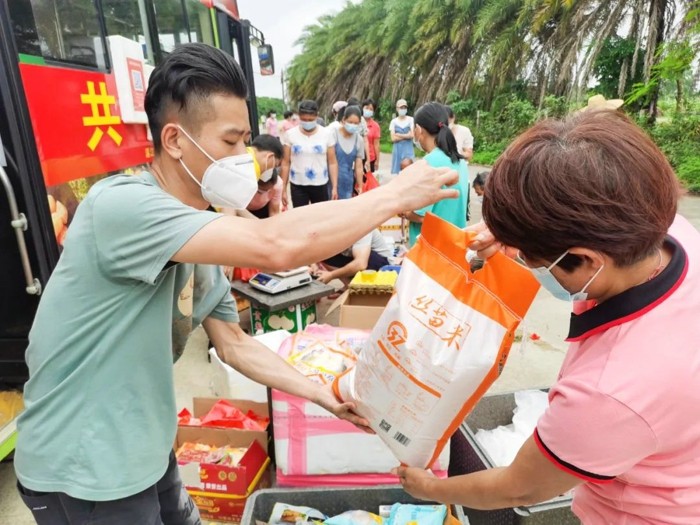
x=279, y=282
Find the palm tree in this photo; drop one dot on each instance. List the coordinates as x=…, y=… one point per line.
x=424, y=49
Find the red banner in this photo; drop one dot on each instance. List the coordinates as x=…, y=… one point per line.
x=77, y=124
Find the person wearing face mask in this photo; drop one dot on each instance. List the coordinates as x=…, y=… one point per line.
x=350, y=152
x=590, y=203
x=374, y=134
x=401, y=129
x=267, y=201
x=309, y=164
x=354, y=101
x=140, y=269
x=271, y=124
x=433, y=135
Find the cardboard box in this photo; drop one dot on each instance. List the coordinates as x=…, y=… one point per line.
x=220, y=492
x=292, y=319
x=241, y=438
x=360, y=310
x=229, y=507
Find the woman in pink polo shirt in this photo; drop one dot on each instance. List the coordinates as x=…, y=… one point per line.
x=590, y=204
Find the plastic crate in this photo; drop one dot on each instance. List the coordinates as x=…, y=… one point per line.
x=468, y=456
x=329, y=501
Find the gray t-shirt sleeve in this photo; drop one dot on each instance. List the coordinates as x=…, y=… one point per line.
x=138, y=228
x=212, y=295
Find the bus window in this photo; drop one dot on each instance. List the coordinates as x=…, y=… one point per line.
x=69, y=31
x=128, y=19
x=172, y=24
x=199, y=18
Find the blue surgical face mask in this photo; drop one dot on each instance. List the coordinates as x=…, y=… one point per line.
x=367, y=113
x=308, y=126
x=403, y=112
x=351, y=128
x=549, y=282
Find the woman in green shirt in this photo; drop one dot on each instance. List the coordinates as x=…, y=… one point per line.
x=432, y=134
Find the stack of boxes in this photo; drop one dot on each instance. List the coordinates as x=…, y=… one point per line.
x=221, y=491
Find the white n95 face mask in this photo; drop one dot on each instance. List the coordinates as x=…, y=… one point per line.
x=230, y=182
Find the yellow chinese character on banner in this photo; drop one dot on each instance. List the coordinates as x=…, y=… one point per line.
x=101, y=115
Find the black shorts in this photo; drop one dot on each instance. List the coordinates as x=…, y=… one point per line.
x=166, y=502
x=303, y=195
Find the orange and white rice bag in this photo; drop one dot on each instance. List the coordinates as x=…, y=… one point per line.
x=441, y=342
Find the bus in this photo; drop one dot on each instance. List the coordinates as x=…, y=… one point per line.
x=73, y=78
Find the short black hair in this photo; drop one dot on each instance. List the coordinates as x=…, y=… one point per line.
x=450, y=111
x=369, y=102
x=269, y=143
x=480, y=179
x=189, y=75
x=288, y=114
x=308, y=107
x=353, y=101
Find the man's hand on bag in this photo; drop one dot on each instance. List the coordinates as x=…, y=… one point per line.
x=416, y=481
x=420, y=185
x=326, y=399
x=485, y=244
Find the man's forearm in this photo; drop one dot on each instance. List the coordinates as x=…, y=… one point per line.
x=327, y=221
x=259, y=363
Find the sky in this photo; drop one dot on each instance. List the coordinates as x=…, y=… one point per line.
x=282, y=22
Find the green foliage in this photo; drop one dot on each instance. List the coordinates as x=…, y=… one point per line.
x=679, y=139
x=266, y=104
x=615, y=54
x=509, y=117
x=676, y=59
x=689, y=172
x=479, y=50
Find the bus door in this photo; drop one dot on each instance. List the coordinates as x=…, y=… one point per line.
x=28, y=251
x=73, y=75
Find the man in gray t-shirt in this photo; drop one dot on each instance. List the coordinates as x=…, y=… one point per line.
x=141, y=266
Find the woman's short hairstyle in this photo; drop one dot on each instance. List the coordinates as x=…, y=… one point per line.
x=592, y=180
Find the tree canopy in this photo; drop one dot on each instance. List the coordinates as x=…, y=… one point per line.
x=424, y=49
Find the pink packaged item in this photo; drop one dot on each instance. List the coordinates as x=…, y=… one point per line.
x=311, y=442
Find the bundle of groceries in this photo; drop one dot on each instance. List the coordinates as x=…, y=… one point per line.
x=397, y=514
x=224, y=415
x=323, y=352
x=201, y=453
